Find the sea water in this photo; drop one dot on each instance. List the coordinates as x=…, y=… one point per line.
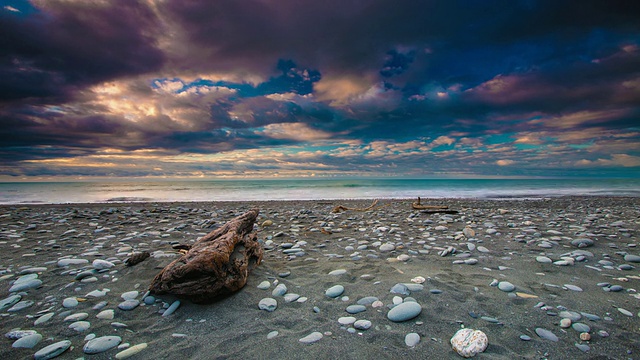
x=307, y=189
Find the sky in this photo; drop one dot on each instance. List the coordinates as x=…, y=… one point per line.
x=297, y=88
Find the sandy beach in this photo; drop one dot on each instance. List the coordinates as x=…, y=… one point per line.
x=567, y=258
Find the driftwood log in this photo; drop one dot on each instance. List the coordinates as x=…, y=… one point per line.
x=215, y=266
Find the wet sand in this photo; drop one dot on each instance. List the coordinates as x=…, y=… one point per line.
x=508, y=240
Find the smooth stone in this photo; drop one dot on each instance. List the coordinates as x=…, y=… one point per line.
x=367, y=300
x=571, y=315
x=625, y=312
x=128, y=305
x=20, y=305
x=413, y=287
x=311, y=338
x=53, y=350
x=582, y=243
x=129, y=352
x=264, y=285
x=338, y=272
x=106, y=314
x=291, y=297
x=632, y=258
x=615, y=288
x=525, y=337
x=506, y=286
x=67, y=262
x=469, y=342
x=386, y=247
x=70, y=302
x=543, y=260
x=471, y=261
x=400, y=289
x=85, y=274
x=171, y=309
x=149, y=300
x=354, y=309
x=10, y=301
x=33, y=270
x=272, y=334
x=268, y=304
x=130, y=295
x=97, y=293
x=43, y=319
x=583, y=347
x=25, y=285
x=27, y=342
x=346, y=320
x=412, y=339
x=580, y=327
x=573, y=287
x=405, y=311
x=100, y=305
x=334, y=291
x=280, y=290
x=100, y=264
x=80, y=326
x=77, y=316
x=362, y=324
x=626, y=267
x=565, y=323
x=546, y=334
x=17, y=334
x=101, y=344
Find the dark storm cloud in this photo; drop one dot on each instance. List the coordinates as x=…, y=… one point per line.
x=70, y=45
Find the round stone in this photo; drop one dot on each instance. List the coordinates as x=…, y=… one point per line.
x=129, y=295
x=565, y=323
x=543, y=260
x=346, y=320
x=469, y=342
x=106, y=314
x=80, y=326
x=264, y=285
x=632, y=258
x=70, y=302
x=101, y=344
x=268, y=304
x=367, y=300
x=506, y=286
x=334, y=291
x=149, y=300
x=405, y=311
x=412, y=339
x=387, y=247
x=615, y=288
x=362, y=324
x=280, y=290
x=53, y=350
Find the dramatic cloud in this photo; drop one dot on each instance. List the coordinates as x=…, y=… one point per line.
x=204, y=88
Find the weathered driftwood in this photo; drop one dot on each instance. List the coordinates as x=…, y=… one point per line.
x=215, y=266
x=136, y=258
x=417, y=206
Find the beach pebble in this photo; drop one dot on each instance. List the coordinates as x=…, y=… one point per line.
x=272, y=334
x=354, y=309
x=291, y=297
x=10, y=301
x=506, y=286
x=565, y=323
x=280, y=290
x=80, y=326
x=362, y=324
x=311, y=338
x=543, y=260
x=412, y=339
x=338, y=272
x=625, y=312
x=573, y=287
x=346, y=320
x=101, y=344
x=582, y=242
x=106, y=314
x=469, y=342
x=18, y=334
x=581, y=328
x=149, y=300
x=128, y=305
x=97, y=293
x=268, y=304
x=546, y=334
x=129, y=295
x=70, y=302
x=172, y=308
x=100, y=264
x=27, y=342
x=264, y=285
x=401, y=289
x=43, y=319
x=127, y=353
x=572, y=315
x=25, y=285
x=405, y=311
x=632, y=258
x=53, y=350
x=525, y=337
x=386, y=247
x=334, y=291
x=20, y=305
x=367, y=300
x=585, y=336
x=67, y=262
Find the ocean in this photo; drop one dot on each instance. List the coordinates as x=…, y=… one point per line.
x=307, y=189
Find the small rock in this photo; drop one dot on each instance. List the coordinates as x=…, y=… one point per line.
x=53, y=350
x=469, y=342
x=311, y=338
x=412, y=339
x=268, y=304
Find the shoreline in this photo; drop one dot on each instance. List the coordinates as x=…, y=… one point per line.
x=367, y=252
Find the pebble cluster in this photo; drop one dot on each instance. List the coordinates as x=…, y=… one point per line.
x=545, y=278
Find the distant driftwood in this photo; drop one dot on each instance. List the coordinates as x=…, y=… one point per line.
x=215, y=266
x=432, y=209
